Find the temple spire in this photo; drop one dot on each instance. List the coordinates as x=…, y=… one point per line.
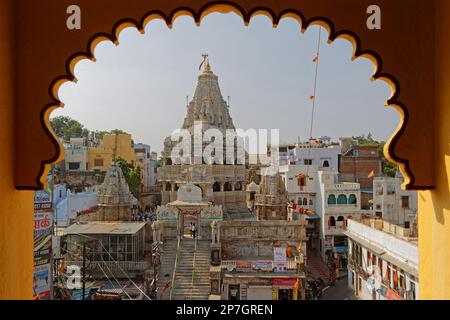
x=205, y=62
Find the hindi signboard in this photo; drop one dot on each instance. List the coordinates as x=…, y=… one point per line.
x=279, y=259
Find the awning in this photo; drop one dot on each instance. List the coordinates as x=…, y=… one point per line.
x=340, y=249
x=314, y=216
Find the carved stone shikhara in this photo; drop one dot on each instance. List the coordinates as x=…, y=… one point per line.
x=403, y=54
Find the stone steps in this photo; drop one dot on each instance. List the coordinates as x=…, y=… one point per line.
x=187, y=287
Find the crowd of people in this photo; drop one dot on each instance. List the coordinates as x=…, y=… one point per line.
x=146, y=214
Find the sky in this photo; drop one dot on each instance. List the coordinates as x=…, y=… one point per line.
x=141, y=85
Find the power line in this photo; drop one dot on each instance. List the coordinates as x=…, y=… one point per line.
x=118, y=265
x=104, y=273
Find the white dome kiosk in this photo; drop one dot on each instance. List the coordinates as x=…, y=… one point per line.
x=190, y=204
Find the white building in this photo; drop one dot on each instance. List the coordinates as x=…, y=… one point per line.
x=392, y=204
x=76, y=155
x=66, y=208
x=337, y=203
x=383, y=264
x=322, y=157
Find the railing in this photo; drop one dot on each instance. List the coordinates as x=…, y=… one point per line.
x=193, y=268
x=172, y=285
x=290, y=264
x=115, y=266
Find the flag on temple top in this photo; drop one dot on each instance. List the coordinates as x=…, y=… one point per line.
x=312, y=97
x=371, y=174
x=316, y=58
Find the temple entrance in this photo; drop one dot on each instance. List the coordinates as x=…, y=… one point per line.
x=185, y=223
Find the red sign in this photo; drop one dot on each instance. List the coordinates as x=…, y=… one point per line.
x=284, y=282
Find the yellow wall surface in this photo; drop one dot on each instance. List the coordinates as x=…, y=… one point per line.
x=124, y=150
x=434, y=206
x=16, y=207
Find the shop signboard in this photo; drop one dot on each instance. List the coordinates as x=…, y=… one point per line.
x=279, y=260
x=262, y=265
x=42, y=200
x=42, y=281
x=243, y=266
x=284, y=282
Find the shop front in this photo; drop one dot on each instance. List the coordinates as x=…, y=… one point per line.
x=284, y=289
x=260, y=287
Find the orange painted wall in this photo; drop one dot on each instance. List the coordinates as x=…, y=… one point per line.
x=16, y=207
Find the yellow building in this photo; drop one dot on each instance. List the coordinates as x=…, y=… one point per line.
x=101, y=157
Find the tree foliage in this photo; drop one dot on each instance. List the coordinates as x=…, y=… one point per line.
x=132, y=174
x=66, y=128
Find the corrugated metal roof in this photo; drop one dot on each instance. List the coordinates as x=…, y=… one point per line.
x=105, y=227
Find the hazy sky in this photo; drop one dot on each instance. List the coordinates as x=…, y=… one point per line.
x=141, y=85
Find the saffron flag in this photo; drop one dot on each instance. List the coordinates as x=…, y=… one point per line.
x=312, y=97
x=316, y=58
x=371, y=174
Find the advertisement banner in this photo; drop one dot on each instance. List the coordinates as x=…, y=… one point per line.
x=262, y=265
x=42, y=281
x=43, y=233
x=244, y=266
x=42, y=200
x=43, y=229
x=279, y=259
x=284, y=282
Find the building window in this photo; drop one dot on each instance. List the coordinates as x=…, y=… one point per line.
x=405, y=202
x=74, y=166
x=331, y=199
x=326, y=164
x=307, y=162
x=331, y=222
x=227, y=186
x=238, y=186
x=352, y=199
x=305, y=201
x=98, y=162
x=311, y=202
x=342, y=199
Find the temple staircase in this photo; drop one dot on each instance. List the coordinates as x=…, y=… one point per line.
x=191, y=280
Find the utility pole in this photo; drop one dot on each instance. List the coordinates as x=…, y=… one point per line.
x=84, y=271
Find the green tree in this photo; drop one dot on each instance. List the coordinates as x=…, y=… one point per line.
x=132, y=174
x=66, y=128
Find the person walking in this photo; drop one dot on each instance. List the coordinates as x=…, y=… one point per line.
x=194, y=230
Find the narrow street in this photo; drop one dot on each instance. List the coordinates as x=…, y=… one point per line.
x=340, y=291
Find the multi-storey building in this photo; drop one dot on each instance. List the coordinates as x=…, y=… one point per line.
x=337, y=203
x=383, y=261
x=75, y=155
x=111, y=145
x=145, y=159
x=393, y=204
